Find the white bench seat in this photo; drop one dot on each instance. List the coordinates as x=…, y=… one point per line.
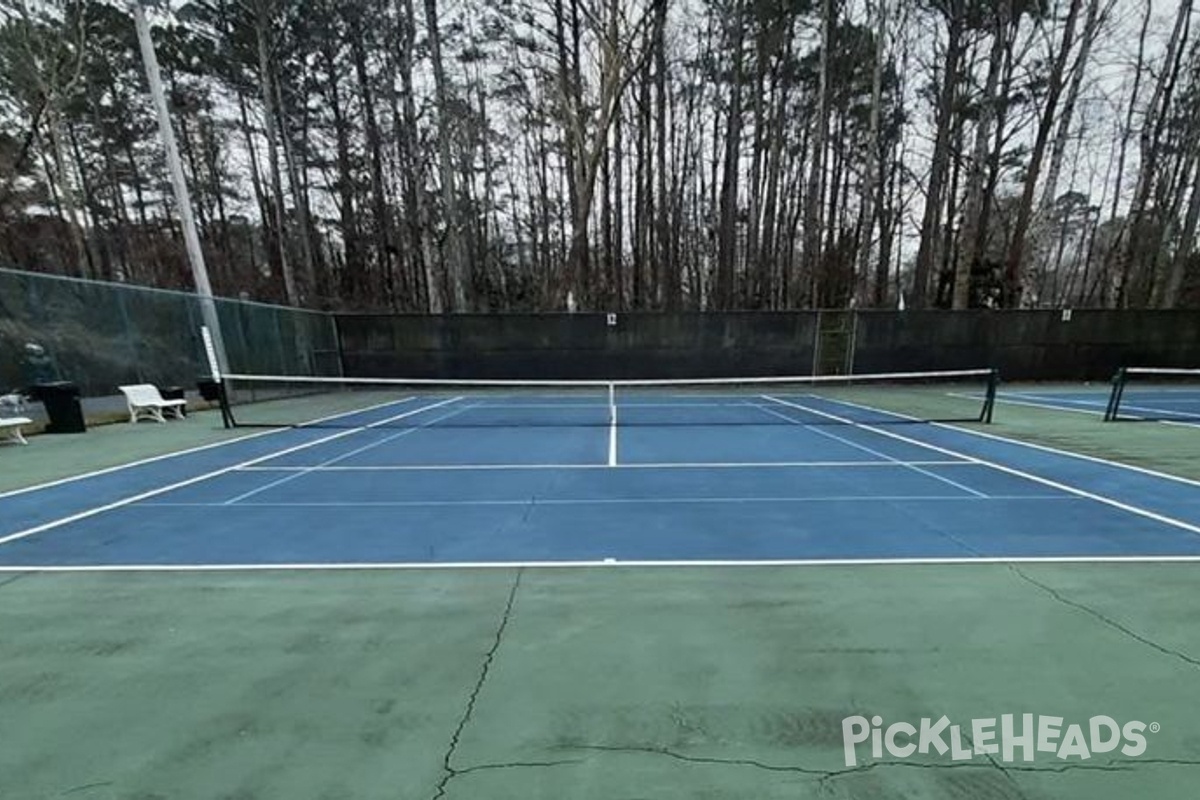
x=144, y=399
x=10, y=429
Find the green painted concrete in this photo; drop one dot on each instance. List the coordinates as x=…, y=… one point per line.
x=1155, y=445
x=598, y=683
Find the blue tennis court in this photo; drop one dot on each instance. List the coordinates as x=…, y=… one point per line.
x=549, y=478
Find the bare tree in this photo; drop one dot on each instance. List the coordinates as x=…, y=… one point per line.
x=46, y=58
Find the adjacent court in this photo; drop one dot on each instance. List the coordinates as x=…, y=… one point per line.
x=550, y=593
x=1167, y=395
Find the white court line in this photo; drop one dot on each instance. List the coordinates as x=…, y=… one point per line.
x=492, y=404
x=343, y=456
x=1008, y=400
x=187, y=451
x=612, y=428
x=1096, y=407
x=593, y=399
x=1134, y=406
x=863, y=447
x=1142, y=512
x=91, y=512
x=1050, y=398
x=1151, y=410
x=588, y=501
x=607, y=564
x=626, y=465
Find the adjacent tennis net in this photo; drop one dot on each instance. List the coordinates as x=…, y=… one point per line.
x=1155, y=393
x=280, y=401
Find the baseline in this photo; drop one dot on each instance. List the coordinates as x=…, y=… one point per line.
x=605, y=564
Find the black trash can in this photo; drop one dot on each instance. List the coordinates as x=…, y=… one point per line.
x=174, y=393
x=210, y=390
x=63, y=406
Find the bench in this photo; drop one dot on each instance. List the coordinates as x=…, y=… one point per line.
x=143, y=398
x=10, y=429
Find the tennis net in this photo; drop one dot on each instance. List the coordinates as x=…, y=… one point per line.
x=281, y=401
x=1155, y=393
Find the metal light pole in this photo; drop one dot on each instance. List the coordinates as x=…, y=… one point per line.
x=208, y=306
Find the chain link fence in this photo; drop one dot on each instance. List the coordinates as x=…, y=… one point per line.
x=101, y=335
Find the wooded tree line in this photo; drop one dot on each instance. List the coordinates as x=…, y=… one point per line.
x=615, y=154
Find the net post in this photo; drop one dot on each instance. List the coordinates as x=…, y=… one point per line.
x=226, y=407
x=335, y=321
x=989, y=400
x=1113, y=410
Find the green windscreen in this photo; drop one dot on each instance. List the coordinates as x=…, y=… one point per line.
x=101, y=335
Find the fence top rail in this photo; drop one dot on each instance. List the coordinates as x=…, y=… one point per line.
x=781, y=313
x=601, y=314
x=137, y=287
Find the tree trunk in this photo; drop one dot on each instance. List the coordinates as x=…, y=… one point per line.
x=66, y=189
x=871, y=177
x=727, y=227
x=1147, y=234
x=1091, y=26
x=351, y=279
x=668, y=291
x=1186, y=250
x=815, y=193
x=931, y=222
x=974, y=229
x=384, y=251
x=413, y=174
x=262, y=23
x=454, y=248
x=1014, y=263
x=299, y=189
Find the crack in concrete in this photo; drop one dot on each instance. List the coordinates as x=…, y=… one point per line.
x=663, y=751
x=830, y=774
x=449, y=772
x=1003, y=769
x=519, y=765
x=85, y=786
x=1106, y=620
x=1170, y=762
x=13, y=579
x=825, y=776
